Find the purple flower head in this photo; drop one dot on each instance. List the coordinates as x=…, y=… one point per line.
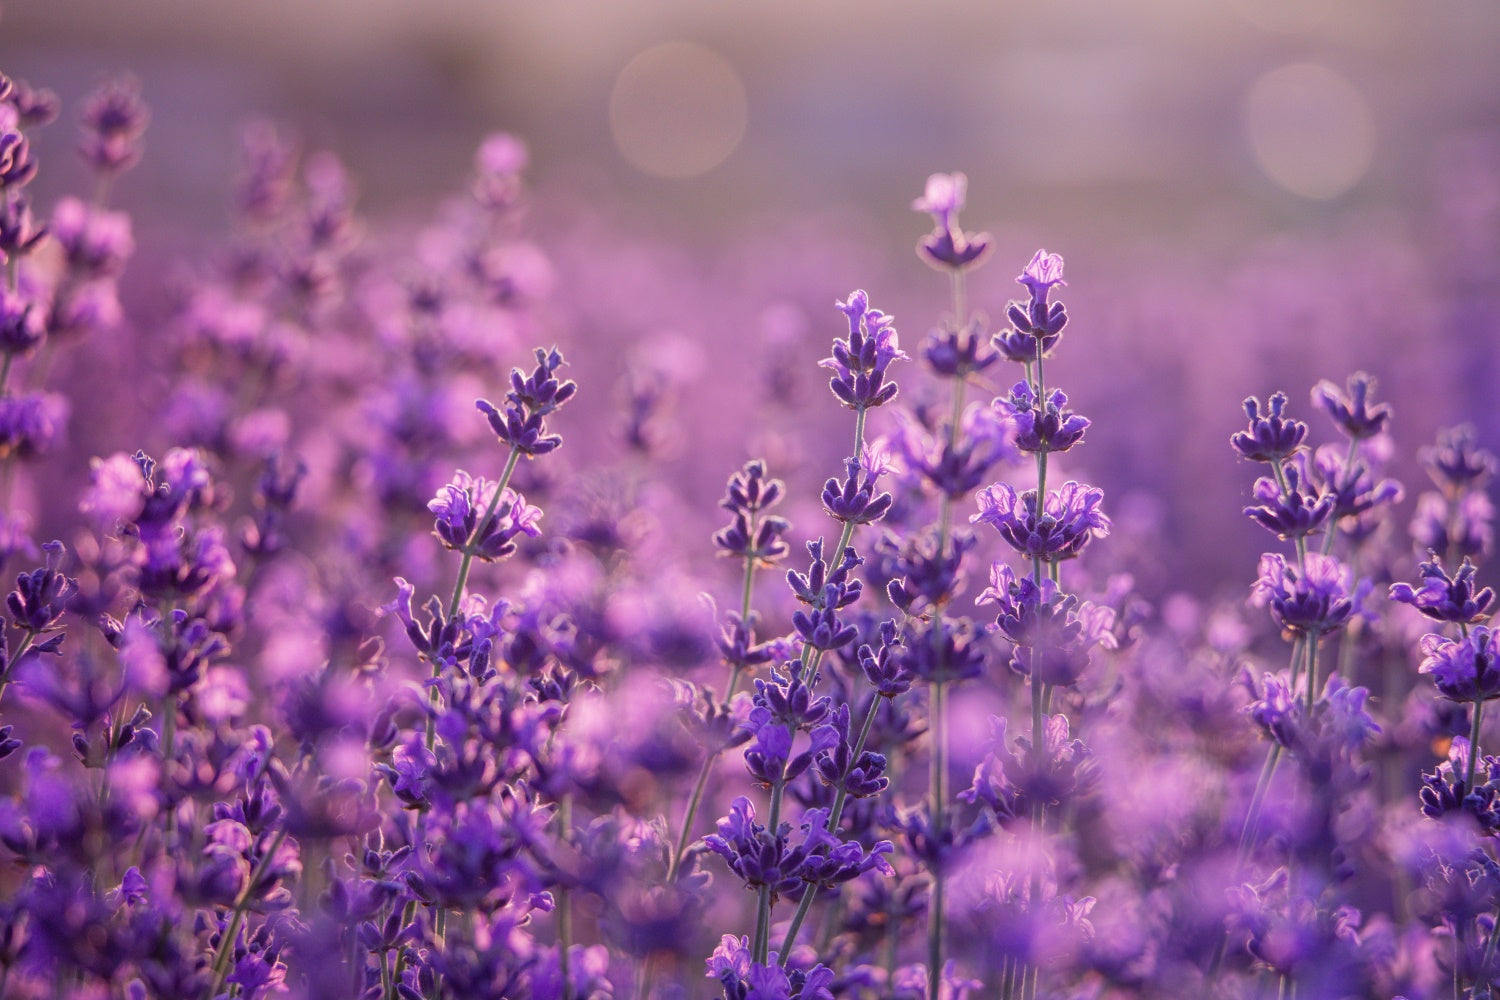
x=17, y=167
x=21, y=326
x=460, y=505
x=944, y=650
x=790, y=702
x=1444, y=598
x=1351, y=410
x=19, y=232
x=96, y=242
x=113, y=118
x=118, y=492
x=1044, y=271
x=1463, y=669
x=1069, y=518
x=1047, y=428
x=42, y=595
x=860, y=361
x=1319, y=599
x=1270, y=436
x=751, y=490
x=885, y=671
x=33, y=105
x=1354, y=488
x=918, y=576
x=1445, y=790
x=1012, y=781
x=1275, y=707
x=1456, y=463
x=838, y=767
x=1459, y=528
x=1293, y=514
x=854, y=499
x=943, y=198
x=959, y=353
x=1053, y=634
x=825, y=585
x=948, y=246
x=498, y=165
x=31, y=423
x=521, y=423
x=732, y=964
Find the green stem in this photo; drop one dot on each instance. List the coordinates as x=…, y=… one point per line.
x=564, y=902
x=811, y=892
x=937, y=806
x=763, y=903
x=1473, y=747
x=237, y=916
x=1488, y=957
x=1312, y=669
x=685, y=837
x=1332, y=533
x=1301, y=540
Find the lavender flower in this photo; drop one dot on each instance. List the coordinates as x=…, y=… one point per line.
x=1271, y=437
x=1463, y=669
x=1069, y=518
x=460, y=505
x=860, y=361
x=1350, y=410
x=1446, y=598
x=948, y=246
x=1319, y=598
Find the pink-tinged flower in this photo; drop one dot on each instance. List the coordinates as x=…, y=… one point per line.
x=1044, y=271
x=943, y=197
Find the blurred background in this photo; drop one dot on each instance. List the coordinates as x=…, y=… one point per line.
x=1250, y=194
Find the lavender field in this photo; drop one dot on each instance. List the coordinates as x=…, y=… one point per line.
x=582, y=587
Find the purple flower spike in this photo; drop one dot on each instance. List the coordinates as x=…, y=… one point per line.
x=1318, y=599
x=1069, y=518
x=1463, y=669
x=1270, y=436
x=1444, y=598
x=459, y=506
x=859, y=363
x=1350, y=409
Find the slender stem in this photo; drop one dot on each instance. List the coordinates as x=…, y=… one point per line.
x=1473, y=748
x=811, y=891
x=10, y=359
x=237, y=916
x=812, y=657
x=1488, y=957
x=564, y=902
x=1332, y=533
x=1312, y=669
x=15, y=658
x=937, y=806
x=1301, y=540
x=468, y=549
x=1458, y=951
x=763, y=907
x=685, y=837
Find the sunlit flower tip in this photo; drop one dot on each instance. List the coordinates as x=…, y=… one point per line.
x=943, y=197
x=1044, y=271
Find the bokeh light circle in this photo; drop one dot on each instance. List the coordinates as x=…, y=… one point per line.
x=1310, y=129
x=677, y=110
